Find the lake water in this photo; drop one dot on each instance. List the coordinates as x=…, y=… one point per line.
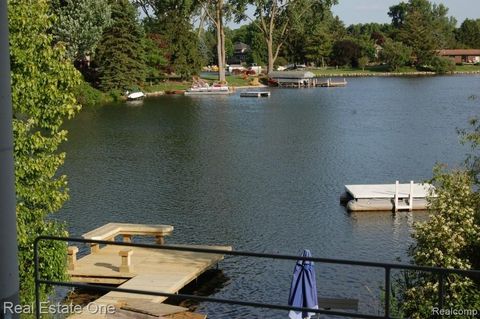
x=265, y=175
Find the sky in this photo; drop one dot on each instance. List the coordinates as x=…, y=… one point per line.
x=361, y=11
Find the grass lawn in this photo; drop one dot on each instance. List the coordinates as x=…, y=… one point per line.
x=232, y=80
x=167, y=86
x=383, y=69
x=368, y=70
x=468, y=68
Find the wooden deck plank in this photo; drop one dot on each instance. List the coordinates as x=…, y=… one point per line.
x=154, y=270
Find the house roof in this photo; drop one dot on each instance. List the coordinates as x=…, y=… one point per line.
x=240, y=46
x=450, y=52
x=291, y=75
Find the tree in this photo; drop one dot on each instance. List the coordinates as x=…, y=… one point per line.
x=80, y=25
x=120, y=53
x=320, y=37
x=172, y=19
x=345, y=52
x=43, y=80
x=214, y=10
x=449, y=239
x=274, y=18
x=395, y=54
x=469, y=33
x=424, y=27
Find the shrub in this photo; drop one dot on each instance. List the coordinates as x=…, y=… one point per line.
x=362, y=62
x=442, y=65
x=395, y=54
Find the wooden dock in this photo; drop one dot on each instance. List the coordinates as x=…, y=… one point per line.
x=139, y=268
x=255, y=94
x=383, y=197
x=329, y=83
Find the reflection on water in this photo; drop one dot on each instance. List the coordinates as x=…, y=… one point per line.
x=266, y=175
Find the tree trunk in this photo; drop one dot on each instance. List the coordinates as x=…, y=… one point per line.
x=220, y=41
x=271, y=58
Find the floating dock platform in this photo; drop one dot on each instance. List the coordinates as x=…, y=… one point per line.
x=329, y=83
x=255, y=94
x=387, y=197
x=138, y=268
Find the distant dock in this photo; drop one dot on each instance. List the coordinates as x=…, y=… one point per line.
x=141, y=269
x=329, y=83
x=387, y=197
x=255, y=94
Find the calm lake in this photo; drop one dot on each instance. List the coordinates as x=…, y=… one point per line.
x=265, y=175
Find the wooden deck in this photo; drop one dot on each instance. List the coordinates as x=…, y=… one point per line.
x=142, y=269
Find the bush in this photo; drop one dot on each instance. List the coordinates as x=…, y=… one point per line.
x=88, y=96
x=362, y=62
x=280, y=61
x=395, y=54
x=442, y=65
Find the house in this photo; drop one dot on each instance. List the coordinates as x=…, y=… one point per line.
x=240, y=52
x=293, y=78
x=461, y=55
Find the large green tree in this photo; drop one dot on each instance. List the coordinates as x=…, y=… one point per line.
x=424, y=27
x=172, y=20
x=275, y=18
x=42, y=83
x=469, y=33
x=80, y=25
x=120, y=55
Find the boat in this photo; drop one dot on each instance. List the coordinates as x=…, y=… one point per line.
x=135, y=96
x=203, y=88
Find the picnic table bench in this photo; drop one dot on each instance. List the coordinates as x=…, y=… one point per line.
x=111, y=230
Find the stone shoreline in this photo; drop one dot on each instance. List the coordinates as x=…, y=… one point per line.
x=393, y=74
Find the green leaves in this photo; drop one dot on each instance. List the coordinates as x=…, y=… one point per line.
x=80, y=25
x=42, y=83
x=120, y=52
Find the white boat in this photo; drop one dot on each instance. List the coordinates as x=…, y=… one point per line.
x=135, y=96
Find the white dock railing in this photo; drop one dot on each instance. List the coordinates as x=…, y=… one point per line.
x=398, y=207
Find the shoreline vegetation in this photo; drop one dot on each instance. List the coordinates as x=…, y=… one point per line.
x=88, y=96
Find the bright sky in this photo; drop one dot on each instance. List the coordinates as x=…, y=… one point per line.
x=361, y=11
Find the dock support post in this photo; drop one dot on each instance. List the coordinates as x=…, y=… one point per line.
x=410, y=200
x=72, y=257
x=126, y=265
x=160, y=239
x=396, y=197
x=94, y=248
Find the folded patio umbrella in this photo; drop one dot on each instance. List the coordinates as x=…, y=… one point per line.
x=303, y=289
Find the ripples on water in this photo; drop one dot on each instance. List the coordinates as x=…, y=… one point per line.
x=265, y=175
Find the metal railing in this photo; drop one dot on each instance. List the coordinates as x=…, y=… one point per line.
x=388, y=267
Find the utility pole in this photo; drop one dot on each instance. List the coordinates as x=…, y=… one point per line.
x=9, y=282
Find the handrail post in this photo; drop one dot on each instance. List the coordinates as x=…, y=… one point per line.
x=387, y=292
x=36, y=274
x=396, y=197
x=9, y=278
x=441, y=290
x=410, y=200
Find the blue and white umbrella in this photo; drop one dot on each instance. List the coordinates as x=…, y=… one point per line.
x=303, y=290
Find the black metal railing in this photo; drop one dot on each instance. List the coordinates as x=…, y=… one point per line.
x=388, y=267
